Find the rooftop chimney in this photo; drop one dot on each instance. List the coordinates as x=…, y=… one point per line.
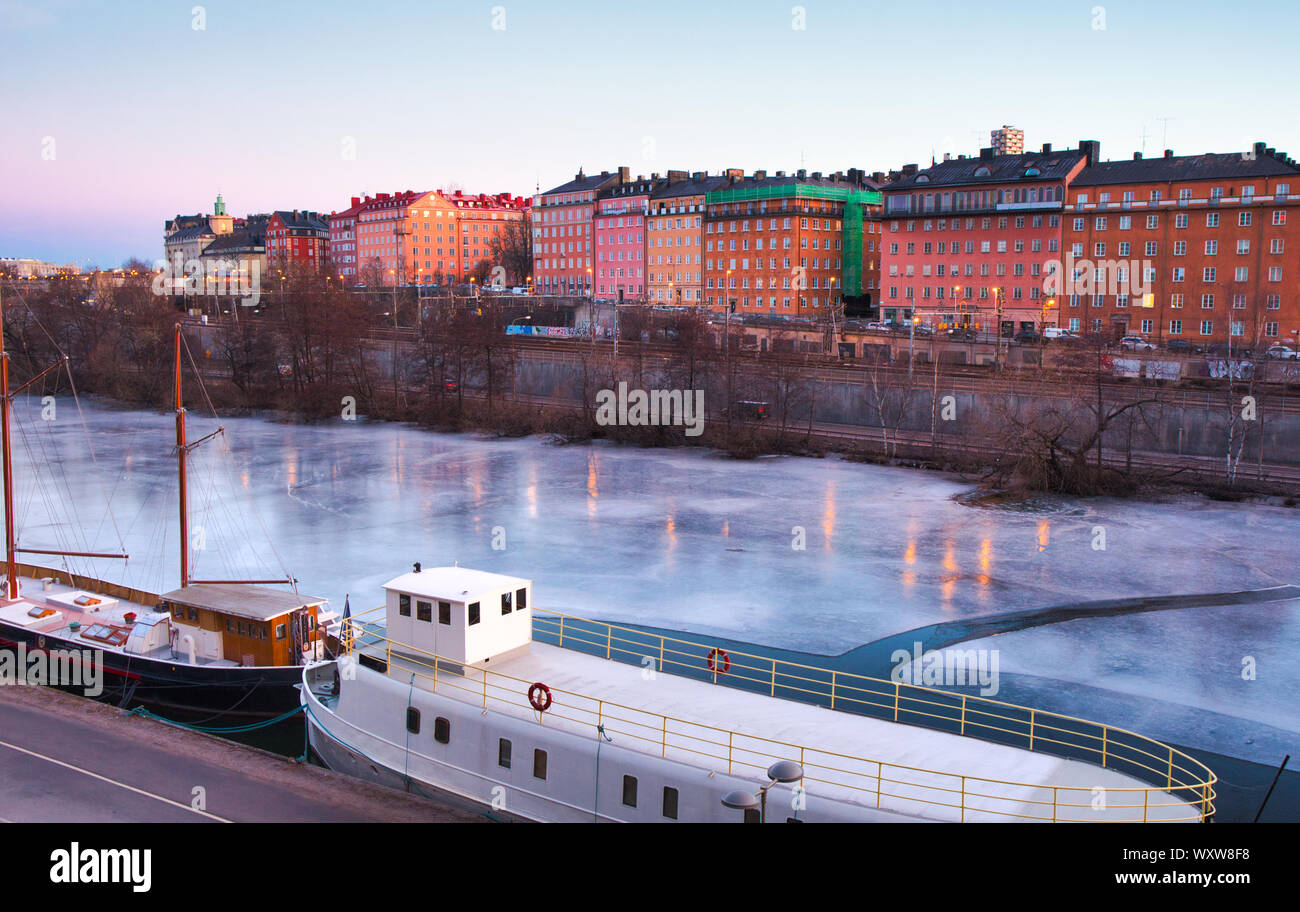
x=760, y=175
x=1169, y=153
x=1047, y=148
x=624, y=174
x=1092, y=149
x=1137, y=156
x=986, y=153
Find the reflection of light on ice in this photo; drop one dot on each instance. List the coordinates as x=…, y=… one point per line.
x=1044, y=535
x=828, y=517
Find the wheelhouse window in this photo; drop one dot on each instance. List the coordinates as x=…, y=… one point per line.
x=424, y=611
x=444, y=612
x=503, y=753
x=279, y=631
x=473, y=613
x=404, y=605
x=629, y=791
x=506, y=602
x=412, y=720
x=539, y=764
x=442, y=730
x=521, y=599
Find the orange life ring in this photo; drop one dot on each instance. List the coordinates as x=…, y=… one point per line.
x=540, y=696
x=719, y=661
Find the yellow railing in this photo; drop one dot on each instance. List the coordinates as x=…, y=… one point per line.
x=1187, y=793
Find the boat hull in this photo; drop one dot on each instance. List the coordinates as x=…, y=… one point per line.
x=228, y=695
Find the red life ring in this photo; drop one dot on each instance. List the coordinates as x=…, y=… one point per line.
x=540, y=696
x=719, y=661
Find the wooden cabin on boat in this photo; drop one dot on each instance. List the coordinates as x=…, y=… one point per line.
x=244, y=625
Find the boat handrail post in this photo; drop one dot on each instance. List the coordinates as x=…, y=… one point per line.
x=832, y=690
x=665, y=741
x=1146, y=803
x=1031, y=729
x=1105, y=730
x=485, y=687
x=661, y=653
x=896, y=689
x=731, y=738
x=1171, y=767
x=561, y=630
x=963, y=800
x=963, y=714
x=774, y=677
x=880, y=772
x=609, y=640
x=1055, y=791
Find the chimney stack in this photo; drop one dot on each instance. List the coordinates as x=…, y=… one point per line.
x=1169, y=153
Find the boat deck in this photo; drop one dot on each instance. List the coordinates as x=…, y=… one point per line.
x=918, y=771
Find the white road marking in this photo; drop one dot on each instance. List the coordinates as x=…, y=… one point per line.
x=123, y=785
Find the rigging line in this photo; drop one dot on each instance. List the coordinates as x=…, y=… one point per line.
x=62, y=484
x=55, y=522
x=94, y=460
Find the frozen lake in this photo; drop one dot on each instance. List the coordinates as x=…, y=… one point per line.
x=819, y=556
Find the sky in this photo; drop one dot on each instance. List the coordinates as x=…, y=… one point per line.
x=118, y=114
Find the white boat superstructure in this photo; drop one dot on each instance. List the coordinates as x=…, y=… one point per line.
x=458, y=699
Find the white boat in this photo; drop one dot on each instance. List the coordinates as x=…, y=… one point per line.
x=459, y=686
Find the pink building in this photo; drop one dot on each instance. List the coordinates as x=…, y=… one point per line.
x=620, y=240
x=343, y=241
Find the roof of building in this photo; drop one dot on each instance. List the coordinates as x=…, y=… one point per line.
x=302, y=218
x=993, y=169
x=251, y=235
x=463, y=200
x=254, y=602
x=455, y=584
x=190, y=233
x=1255, y=163
x=585, y=182
x=695, y=185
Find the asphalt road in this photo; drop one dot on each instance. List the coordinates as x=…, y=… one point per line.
x=64, y=758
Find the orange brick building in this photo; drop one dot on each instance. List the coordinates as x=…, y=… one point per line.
x=429, y=237
x=675, y=238
x=779, y=245
x=1211, y=243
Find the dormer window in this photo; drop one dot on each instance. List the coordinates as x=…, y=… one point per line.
x=1032, y=172
x=923, y=178
x=983, y=171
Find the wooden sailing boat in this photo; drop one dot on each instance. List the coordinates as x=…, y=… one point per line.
x=223, y=647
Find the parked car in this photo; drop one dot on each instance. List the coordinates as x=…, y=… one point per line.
x=1028, y=337
x=879, y=326
x=1179, y=345
x=1055, y=332
x=285, y=370
x=1285, y=352
x=450, y=385
x=963, y=333
x=1135, y=343
x=753, y=411
x=1225, y=350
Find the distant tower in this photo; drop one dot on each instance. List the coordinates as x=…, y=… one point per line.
x=1008, y=140
x=220, y=207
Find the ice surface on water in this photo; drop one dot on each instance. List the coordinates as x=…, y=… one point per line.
x=682, y=539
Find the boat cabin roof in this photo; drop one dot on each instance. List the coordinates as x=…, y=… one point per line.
x=255, y=602
x=454, y=584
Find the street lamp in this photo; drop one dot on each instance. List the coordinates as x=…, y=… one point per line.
x=782, y=771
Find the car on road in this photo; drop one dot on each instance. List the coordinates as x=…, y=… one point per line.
x=752, y=410
x=1028, y=337
x=1135, y=343
x=879, y=326
x=450, y=385
x=1179, y=345
x=1228, y=349
x=1284, y=352
x=963, y=333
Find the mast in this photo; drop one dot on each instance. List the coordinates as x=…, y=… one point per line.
x=180, y=468
x=11, y=559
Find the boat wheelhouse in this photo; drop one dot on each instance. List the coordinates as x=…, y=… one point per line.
x=243, y=625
